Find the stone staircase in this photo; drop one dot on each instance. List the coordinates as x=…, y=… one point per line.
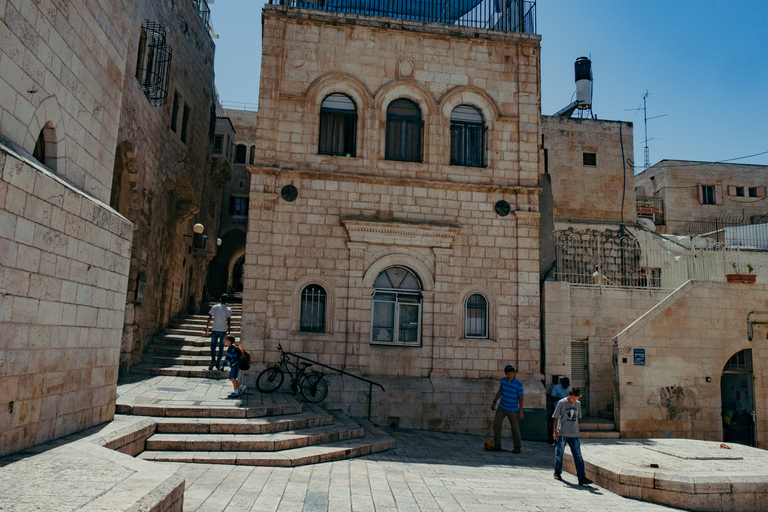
x=601, y=427
x=195, y=423
x=183, y=350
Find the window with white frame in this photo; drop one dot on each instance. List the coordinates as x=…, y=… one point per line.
x=312, y=316
x=467, y=137
x=396, y=309
x=476, y=317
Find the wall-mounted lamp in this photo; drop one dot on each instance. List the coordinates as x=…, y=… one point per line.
x=218, y=242
x=198, y=238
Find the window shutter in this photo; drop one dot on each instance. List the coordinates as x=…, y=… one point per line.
x=731, y=190
x=760, y=191
x=701, y=193
x=718, y=194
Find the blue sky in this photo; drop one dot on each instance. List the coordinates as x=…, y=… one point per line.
x=704, y=64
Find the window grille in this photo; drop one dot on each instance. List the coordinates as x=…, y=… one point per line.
x=154, y=63
x=312, y=318
x=338, y=126
x=404, y=131
x=741, y=362
x=396, y=308
x=476, y=323
x=467, y=137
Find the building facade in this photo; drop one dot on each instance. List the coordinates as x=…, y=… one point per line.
x=393, y=217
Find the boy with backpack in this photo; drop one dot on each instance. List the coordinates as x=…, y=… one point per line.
x=237, y=359
x=566, y=431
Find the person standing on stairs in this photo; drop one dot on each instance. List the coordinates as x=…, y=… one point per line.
x=220, y=314
x=234, y=354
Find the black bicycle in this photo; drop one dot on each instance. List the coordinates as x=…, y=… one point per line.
x=310, y=384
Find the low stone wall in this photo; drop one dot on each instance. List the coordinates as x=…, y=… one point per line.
x=63, y=274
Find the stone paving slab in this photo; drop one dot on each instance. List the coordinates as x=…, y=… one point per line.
x=697, y=475
x=426, y=471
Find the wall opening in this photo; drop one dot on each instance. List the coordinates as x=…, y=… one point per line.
x=738, y=399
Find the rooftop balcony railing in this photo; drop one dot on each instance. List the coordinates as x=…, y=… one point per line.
x=501, y=15
x=205, y=14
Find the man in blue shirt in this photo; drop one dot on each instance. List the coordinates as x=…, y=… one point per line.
x=511, y=406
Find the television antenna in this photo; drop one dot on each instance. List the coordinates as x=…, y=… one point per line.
x=647, y=159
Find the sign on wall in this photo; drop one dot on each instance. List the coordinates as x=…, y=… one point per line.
x=639, y=357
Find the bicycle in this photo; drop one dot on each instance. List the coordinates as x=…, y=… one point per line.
x=310, y=384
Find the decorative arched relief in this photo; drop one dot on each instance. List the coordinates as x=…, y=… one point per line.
x=405, y=89
x=341, y=83
x=403, y=258
x=473, y=96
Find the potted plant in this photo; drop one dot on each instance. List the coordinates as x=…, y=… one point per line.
x=739, y=277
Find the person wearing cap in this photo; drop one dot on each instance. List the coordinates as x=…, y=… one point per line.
x=559, y=392
x=511, y=406
x=220, y=314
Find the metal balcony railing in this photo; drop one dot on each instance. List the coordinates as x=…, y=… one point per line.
x=205, y=14
x=501, y=15
x=651, y=208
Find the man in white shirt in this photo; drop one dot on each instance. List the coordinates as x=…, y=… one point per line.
x=220, y=314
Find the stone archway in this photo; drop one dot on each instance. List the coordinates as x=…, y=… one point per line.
x=738, y=399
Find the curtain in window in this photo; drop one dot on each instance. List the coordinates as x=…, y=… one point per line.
x=404, y=131
x=338, y=126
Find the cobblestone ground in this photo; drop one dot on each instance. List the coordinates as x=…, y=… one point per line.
x=427, y=471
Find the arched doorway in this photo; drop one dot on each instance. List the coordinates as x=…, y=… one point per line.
x=236, y=276
x=738, y=399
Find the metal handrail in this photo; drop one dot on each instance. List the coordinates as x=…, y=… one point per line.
x=338, y=370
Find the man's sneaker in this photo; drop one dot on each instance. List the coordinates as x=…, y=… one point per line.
x=241, y=390
x=234, y=394
x=210, y=367
x=558, y=476
x=585, y=481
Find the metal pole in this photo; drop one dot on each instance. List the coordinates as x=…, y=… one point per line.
x=370, y=392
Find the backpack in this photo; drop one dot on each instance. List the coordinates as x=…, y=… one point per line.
x=244, y=359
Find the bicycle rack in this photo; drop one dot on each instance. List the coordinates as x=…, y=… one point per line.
x=337, y=370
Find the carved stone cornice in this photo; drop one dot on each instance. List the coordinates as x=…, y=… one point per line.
x=442, y=255
x=382, y=232
x=262, y=200
x=527, y=218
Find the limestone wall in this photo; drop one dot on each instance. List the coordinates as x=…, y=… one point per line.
x=688, y=339
x=592, y=315
x=164, y=181
x=64, y=272
x=61, y=72
x=590, y=192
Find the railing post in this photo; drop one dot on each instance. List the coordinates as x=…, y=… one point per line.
x=370, y=392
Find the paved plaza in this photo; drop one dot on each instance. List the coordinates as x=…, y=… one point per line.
x=427, y=471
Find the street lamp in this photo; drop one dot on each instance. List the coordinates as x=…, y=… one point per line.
x=198, y=238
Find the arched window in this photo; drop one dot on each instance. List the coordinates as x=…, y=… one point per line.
x=252, y=155
x=476, y=317
x=467, y=137
x=396, y=310
x=240, y=152
x=312, y=316
x=45, y=147
x=338, y=126
x=404, y=131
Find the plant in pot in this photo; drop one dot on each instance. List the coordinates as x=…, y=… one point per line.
x=740, y=277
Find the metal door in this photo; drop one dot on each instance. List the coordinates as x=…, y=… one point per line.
x=580, y=372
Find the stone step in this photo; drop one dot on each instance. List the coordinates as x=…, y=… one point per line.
x=606, y=415
x=182, y=360
x=173, y=350
x=271, y=442
x=312, y=416
x=275, y=405
x=596, y=424
x=175, y=340
x=373, y=441
x=194, y=324
x=601, y=434
x=200, y=372
x=195, y=332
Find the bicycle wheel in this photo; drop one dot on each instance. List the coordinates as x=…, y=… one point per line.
x=270, y=380
x=314, y=388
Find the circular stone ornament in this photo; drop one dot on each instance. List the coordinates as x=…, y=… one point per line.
x=502, y=208
x=289, y=193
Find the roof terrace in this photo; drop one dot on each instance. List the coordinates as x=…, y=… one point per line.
x=501, y=15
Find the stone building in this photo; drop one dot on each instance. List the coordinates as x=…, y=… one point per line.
x=685, y=197
x=226, y=270
x=394, y=208
x=64, y=253
x=106, y=164
x=165, y=179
